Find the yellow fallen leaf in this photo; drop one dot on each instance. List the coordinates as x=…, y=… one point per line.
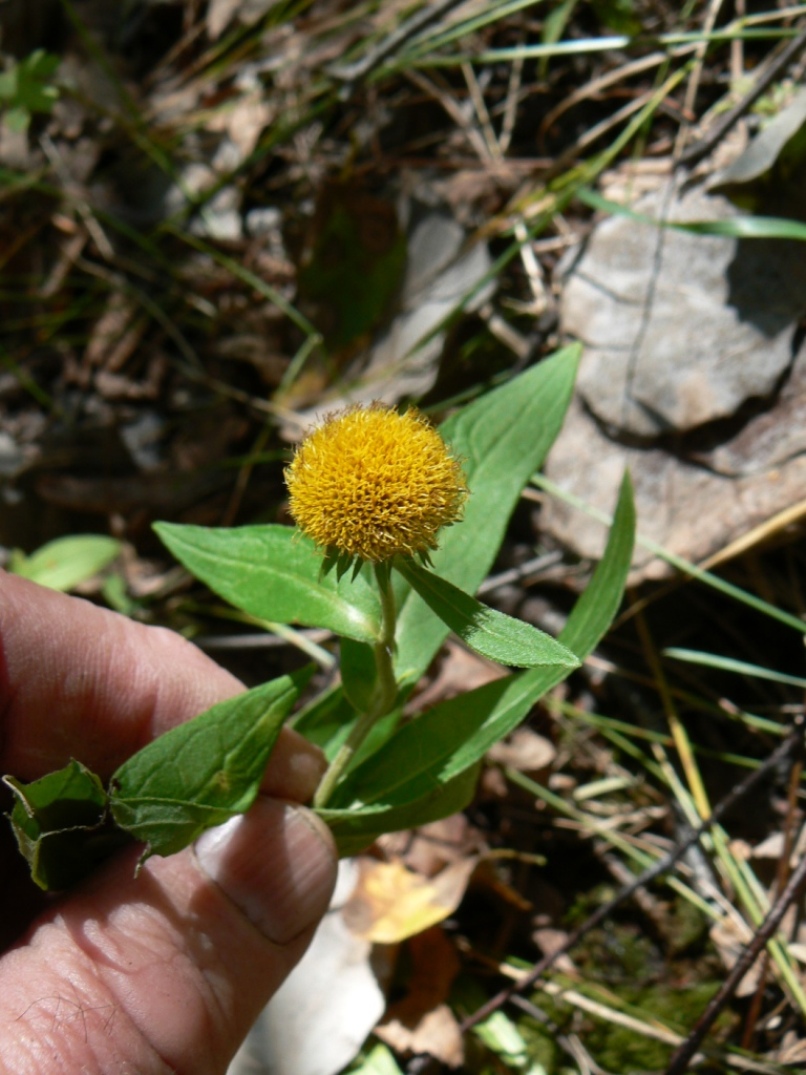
x=391, y=902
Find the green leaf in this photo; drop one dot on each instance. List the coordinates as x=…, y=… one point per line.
x=326, y=721
x=18, y=119
x=358, y=674
x=435, y=748
x=379, y=1060
x=25, y=87
x=487, y=631
x=355, y=829
x=553, y=28
x=200, y=773
x=730, y=664
x=61, y=825
x=64, y=563
x=501, y=438
x=8, y=84
x=33, y=74
x=594, y=611
x=275, y=573
x=355, y=266
x=735, y=227
x=426, y=753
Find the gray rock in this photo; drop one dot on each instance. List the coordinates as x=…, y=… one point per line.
x=680, y=329
x=693, y=512
x=714, y=336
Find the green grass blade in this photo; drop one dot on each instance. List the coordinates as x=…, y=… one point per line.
x=729, y=664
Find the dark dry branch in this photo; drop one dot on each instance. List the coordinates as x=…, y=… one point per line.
x=774, y=69
x=794, y=889
x=351, y=73
x=781, y=878
x=790, y=747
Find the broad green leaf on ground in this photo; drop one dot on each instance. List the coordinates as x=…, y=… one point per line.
x=489, y=632
x=435, y=748
x=61, y=825
x=203, y=772
x=66, y=561
x=354, y=830
x=501, y=439
x=275, y=573
x=26, y=87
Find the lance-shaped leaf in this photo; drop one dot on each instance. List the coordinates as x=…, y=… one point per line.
x=502, y=439
x=66, y=561
x=200, y=773
x=489, y=632
x=61, y=824
x=359, y=673
x=355, y=830
x=434, y=749
x=275, y=573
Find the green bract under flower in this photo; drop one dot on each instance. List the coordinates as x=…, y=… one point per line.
x=373, y=483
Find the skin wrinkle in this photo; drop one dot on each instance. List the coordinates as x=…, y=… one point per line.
x=146, y=696
x=130, y=951
x=165, y=972
x=7, y=691
x=127, y=974
x=84, y=1030
x=101, y=641
x=103, y=1012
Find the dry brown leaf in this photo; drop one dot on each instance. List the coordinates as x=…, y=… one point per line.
x=730, y=944
x=244, y=121
x=548, y=940
x=115, y=335
x=221, y=13
x=421, y=1022
x=459, y=670
x=525, y=751
x=793, y=1050
x=437, y=1033
x=427, y=849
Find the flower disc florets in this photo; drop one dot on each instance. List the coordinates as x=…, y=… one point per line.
x=373, y=483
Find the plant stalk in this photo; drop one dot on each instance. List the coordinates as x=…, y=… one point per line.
x=385, y=696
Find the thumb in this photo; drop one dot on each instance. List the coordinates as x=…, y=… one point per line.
x=168, y=970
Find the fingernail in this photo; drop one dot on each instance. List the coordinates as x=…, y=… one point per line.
x=277, y=865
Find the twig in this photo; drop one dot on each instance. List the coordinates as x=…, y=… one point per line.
x=517, y=574
x=775, y=67
x=781, y=877
x=786, y=748
x=797, y=882
x=350, y=73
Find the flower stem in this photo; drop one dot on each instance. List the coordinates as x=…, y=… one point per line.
x=385, y=696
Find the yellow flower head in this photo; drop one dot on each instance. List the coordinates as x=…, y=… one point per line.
x=373, y=483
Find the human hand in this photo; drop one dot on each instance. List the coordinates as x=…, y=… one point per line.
x=165, y=972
